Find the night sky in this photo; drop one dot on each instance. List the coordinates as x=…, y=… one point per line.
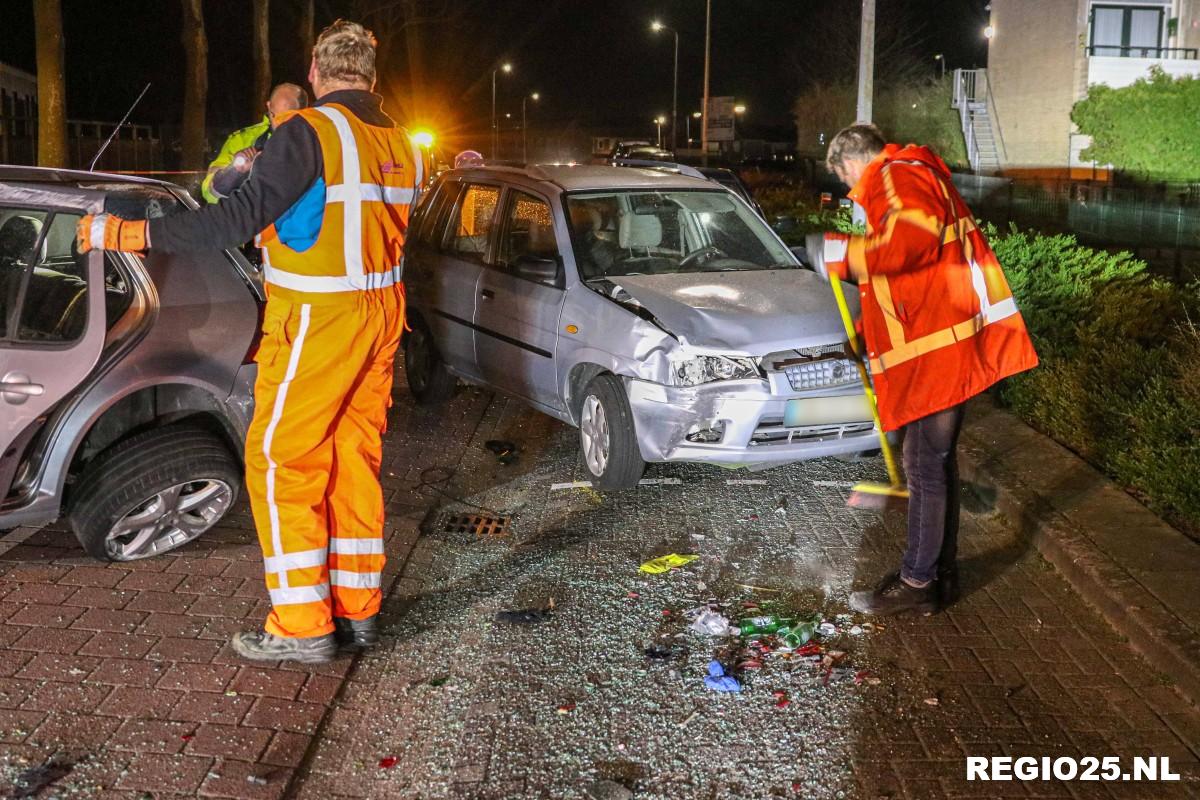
x=596, y=64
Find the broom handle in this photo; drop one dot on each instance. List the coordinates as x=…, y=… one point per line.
x=889, y=458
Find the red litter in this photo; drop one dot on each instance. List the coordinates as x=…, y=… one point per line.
x=810, y=649
x=860, y=676
x=633, y=595
x=781, y=698
x=566, y=708
x=187, y=737
x=387, y=762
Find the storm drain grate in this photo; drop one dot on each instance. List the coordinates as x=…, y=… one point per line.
x=478, y=524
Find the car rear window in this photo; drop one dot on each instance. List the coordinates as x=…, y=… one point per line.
x=43, y=279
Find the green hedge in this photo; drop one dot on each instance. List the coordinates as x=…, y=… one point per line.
x=1119, y=381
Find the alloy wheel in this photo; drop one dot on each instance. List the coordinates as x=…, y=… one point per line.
x=168, y=519
x=594, y=435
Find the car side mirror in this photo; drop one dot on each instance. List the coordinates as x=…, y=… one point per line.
x=542, y=269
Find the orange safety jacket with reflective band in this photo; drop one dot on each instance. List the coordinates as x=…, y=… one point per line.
x=939, y=319
x=371, y=176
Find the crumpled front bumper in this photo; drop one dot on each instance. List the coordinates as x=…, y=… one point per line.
x=665, y=415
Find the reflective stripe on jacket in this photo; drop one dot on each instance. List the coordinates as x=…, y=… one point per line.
x=370, y=176
x=939, y=319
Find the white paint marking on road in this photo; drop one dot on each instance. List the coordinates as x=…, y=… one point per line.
x=834, y=484
x=660, y=482
x=746, y=482
x=554, y=487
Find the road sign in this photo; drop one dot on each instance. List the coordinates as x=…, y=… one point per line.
x=720, y=119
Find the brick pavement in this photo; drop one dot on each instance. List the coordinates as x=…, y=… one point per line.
x=123, y=671
x=1020, y=667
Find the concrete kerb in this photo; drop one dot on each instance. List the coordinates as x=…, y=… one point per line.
x=998, y=450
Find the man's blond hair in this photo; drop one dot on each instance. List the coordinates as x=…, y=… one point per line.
x=345, y=52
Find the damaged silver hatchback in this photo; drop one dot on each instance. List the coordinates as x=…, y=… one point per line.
x=655, y=312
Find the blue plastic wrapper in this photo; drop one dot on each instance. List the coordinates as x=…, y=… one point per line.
x=718, y=681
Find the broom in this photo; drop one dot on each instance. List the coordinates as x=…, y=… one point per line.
x=869, y=495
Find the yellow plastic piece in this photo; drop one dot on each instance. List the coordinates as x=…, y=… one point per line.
x=666, y=563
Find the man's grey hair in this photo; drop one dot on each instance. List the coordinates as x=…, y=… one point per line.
x=301, y=95
x=858, y=141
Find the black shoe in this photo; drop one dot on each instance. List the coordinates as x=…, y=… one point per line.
x=361, y=633
x=948, y=590
x=894, y=596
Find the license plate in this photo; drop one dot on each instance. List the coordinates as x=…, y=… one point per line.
x=804, y=412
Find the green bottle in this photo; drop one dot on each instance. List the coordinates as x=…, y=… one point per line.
x=752, y=626
x=799, y=633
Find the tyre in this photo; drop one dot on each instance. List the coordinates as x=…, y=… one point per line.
x=429, y=382
x=607, y=440
x=153, y=492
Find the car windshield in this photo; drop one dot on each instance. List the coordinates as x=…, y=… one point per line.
x=639, y=232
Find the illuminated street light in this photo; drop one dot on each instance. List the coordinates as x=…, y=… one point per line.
x=658, y=26
x=659, y=121
x=506, y=68
x=739, y=109
x=423, y=139
x=694, y=115
x=941, y=59
x=535, y=96
x=989, y=32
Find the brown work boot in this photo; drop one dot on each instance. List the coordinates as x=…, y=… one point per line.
x=263, y=646
x=894, y=596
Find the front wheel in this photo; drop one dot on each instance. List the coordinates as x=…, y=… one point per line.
x=607, y=439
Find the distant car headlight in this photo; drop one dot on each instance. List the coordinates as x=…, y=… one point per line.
x=706, y=369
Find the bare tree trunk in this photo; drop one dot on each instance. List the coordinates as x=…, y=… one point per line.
x=195, y=90
x=308, y=28
x=52, y=93
x=262, y=55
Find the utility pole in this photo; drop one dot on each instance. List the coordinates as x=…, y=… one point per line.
x=866, y=62
x=704, y=107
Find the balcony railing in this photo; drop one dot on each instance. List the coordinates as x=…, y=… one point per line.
x=1117, y=51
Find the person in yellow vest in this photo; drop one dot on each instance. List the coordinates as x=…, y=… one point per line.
x=329, y=197
x=232, y=165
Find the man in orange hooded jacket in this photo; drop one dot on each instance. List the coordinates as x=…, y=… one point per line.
x=940, y=325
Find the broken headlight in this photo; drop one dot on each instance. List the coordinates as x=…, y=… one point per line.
x=706, y=369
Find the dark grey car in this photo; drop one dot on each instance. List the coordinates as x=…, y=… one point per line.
x=125, y=381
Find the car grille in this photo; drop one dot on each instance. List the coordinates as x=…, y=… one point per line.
x=823, y=374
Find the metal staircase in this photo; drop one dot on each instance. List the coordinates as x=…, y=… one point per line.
x=973, y=100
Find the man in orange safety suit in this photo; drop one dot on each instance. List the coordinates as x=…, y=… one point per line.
x=329, y=199
x=940, y=325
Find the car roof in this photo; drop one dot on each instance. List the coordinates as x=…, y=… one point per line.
x=70, y=177
x=576, y=177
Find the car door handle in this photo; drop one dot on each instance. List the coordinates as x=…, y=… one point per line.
x=22, y=388
x=487, y=294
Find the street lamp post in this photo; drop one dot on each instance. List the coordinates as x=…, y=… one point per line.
x=941, y=59
x=738, y=111
x=658, y=26
x=524, y=138
x=659, y=121
x=704, y=108
x=505, y=68
x=694, y=115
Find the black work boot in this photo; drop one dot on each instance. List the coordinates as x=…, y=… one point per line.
x=360, y=633
x=263, y=646
x=894, y=596
x=948, y=590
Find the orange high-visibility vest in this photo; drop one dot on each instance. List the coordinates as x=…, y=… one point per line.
x=371, y=176
x=940, y=321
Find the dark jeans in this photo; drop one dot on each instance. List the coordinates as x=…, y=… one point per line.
x=931, y=466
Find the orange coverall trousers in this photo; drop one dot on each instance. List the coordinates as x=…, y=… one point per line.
x=313, y=454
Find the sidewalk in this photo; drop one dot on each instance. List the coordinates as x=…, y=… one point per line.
x=117, y=680
x=1141, y=573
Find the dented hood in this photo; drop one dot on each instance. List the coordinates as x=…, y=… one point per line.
x=755, y=312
